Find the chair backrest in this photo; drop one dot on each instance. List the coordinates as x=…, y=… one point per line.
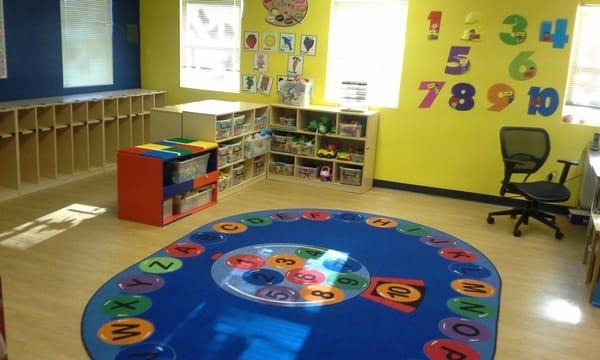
x=531, y=145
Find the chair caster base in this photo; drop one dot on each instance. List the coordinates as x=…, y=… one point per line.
x=517, y=233
x=490, y=220
x=558, y=235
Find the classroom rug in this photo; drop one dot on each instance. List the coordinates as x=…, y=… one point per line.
x=300, y=284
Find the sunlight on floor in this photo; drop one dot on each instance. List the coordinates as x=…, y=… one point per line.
x=563, y=311
x=43, y=228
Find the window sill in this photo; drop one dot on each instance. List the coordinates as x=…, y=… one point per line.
x=581, y=115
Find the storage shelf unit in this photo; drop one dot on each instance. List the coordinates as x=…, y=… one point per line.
x=293, y=164
x=204, y=120
x=48, y=141
x=146, y=185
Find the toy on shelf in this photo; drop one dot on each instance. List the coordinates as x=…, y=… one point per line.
x=322, y=126
x=303, y=145
x=343, y=155
x=329, y=151
x=351, y=129
x=325, y=173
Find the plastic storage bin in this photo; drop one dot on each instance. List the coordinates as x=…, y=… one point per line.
x=259, y=167
x=167, y=208
x=223, y=129
x=237, y=175
x=235, y=151
x=186, y=170
x=303, y=149
x=307, y=172
x=224, y=182
x=351, y=130
x=261, y=121
x=281, y=168
x=350, y=176
x=238, y=124
x=356, y=157
x=256, y=147
x=191, y=200
x=223, y=155
x=287, y=121
x=282, y=143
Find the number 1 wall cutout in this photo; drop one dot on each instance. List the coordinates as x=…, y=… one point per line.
x=559, y=38
x=435, y=22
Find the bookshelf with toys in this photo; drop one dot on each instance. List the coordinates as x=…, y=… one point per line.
x=323, y=146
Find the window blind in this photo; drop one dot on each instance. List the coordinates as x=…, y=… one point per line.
x=210, y=45
x=366, y=44
x=87, y=51
x=583, y=85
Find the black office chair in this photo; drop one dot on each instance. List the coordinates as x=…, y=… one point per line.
x=524, y=151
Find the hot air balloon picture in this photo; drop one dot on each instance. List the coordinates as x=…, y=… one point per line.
x=308, y=45
x=295, y=65
x=285, y=12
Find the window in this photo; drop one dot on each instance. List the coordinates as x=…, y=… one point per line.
x=582, y=101
x=210, y=45
x=366, y=44
x=87, y=53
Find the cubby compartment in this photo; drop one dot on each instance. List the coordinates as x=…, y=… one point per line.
x=111, y=140
x=95, y=111
x=261, y=118
x=96, y=143
x=284, y=118
x=137, y=129
x=124, y=107
x=9, y=170
x=64, y=150
x=125, y=127
x=237, y=174
x=256, y=145
x=27, y=120
x=282, y=142
x=318, y=122
x=308, y=169
x=352, y=126
x=28, y=158
x=258, y=165
x=349, y=175
x=80, y=114
x=148, y=103
x=224, y=180
x=81, y=144
x=63, y=115
x=242, y=123
x=281, y=165
x=137, y=106
x=46, y=142
x=160, y=99
x=224, y=127
x=147, y=128
x=341, y=149
x=304, y=145
x=110, y=109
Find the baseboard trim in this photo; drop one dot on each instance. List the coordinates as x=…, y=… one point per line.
x=465, y=195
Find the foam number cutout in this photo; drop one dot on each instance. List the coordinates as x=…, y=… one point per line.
x=559, y=38
x=518, y=34
x=543, y=102
x=435, y=22
x=500, y=95
x=433, y=90
x=462, y=99
x=457, y=60
x=523, y=68
x=473, y=31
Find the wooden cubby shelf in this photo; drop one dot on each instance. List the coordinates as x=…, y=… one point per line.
x=48, y=141
x=346, y=149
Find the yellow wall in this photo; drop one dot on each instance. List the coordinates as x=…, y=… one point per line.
x=436, y=147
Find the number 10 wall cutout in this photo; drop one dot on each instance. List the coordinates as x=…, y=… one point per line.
x=523, y=67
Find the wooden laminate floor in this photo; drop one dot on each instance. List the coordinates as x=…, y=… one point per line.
x=545, y=313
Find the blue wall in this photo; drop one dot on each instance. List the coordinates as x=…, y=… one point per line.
x=34, y=55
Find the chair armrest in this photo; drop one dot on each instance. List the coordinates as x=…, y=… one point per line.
x=566, y=166
x=570, y=162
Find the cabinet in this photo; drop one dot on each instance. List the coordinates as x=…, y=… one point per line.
x=242, y=159
x=48, y=141
x=314, y=140
x=153, y=177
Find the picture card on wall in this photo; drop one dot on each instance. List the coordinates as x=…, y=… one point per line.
x=295, y=65
x=261, y=62
x=280, y=80
x=249, y=83
x=251, y=41
x=269, y=41
x=287, y=42
x=265, y=82
x=308, y=45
